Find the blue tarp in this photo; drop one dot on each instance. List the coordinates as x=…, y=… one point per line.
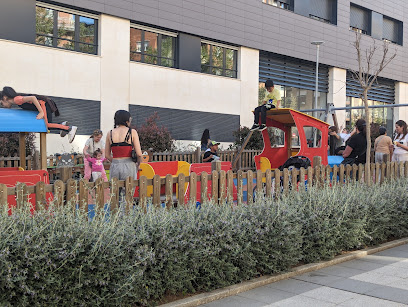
x=18, y=120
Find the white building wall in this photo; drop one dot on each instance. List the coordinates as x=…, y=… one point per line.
x=113, y=79
x=337, y=94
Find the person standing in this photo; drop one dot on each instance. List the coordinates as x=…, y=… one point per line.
x=382, y=146
x=400, y=142
x=335, y=140
x=96, y=164
x=92, y=144
x=272, y=100
x=119, y=145
x=205, y=140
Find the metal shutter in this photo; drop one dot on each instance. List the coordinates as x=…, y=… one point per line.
x=359, y=18
x=390, y=30
x=85, y=114
x=188, y=125
x=321, y=8
x=383, y=90
x=287, y=71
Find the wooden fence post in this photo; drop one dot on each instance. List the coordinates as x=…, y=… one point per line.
x=406, y=169
x=384, y=168
x=230, y=186
x=341, y=175
x=22, y=194
x=222, y=187
x=3, y=195
x=156, y=190
x=388, y=174
x=71, y=193
x=129, y=189
x=168, y=190
x=83, y=194
x=317, y=161
x=181, y=185
x=40, y=194
x=143, y=192
x=204, y=187
x=99, y=194
x=59, y=193
x=214, y=186
x=277, y=182
x=197, y=155
x=193, y=188
x=335, y=172
x=302, y=174
x=66, y=173
x=268, y=182
x=240, y=185
x=294, y=174
x=22, y=149
x=250, y=186
x=285, y=180
x=259, y=183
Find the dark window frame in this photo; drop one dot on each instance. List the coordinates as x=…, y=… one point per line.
x=357, y=29
x=211, y=67
x=159, y=48
x=400, y=26
x=282, y=4
x=76, y=39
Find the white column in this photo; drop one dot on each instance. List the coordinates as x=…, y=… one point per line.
x=337, y=94
x=401, y=97
x=114, y=42
x=248, y=68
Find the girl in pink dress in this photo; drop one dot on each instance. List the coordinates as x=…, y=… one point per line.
x=98, y=170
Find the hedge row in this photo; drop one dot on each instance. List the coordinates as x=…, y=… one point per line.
x=56, y=257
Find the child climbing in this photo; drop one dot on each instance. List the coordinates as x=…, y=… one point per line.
x=98, y=170
x=272, y=100
x=43, y=105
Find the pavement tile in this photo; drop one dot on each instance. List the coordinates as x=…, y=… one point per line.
x=391, y=270
x=400, y=284
x=361, y=265
x=390, y=293
x=385, y=260
x=355, y=286
x=267, y=295
x=318, y=278
x=302, y=301
x=377, y=278
x=330, y=295
x=293, y=286
x=341, y=271
x=236, y=301
x=369, y=301
x=394, y=253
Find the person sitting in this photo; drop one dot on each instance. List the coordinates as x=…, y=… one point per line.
x=211, y=153
x=272, y=100
x=355, y=152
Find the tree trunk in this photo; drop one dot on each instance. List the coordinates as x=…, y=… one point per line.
x=368, y=137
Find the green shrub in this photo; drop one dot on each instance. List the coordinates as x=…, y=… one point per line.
x=9, y=144
x=56, y=257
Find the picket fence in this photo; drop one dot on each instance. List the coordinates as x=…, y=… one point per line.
x=81, y=193
x=10, y=161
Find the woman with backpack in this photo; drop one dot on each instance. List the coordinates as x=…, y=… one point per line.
x=42, y=104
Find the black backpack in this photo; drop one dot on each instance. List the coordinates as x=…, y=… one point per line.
x=296, y=162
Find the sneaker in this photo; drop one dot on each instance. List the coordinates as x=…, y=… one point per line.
x=262, y=127
x=255, y=127
x=71, y=133
x=64, y=132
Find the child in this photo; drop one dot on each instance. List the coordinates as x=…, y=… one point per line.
x=272, y=100
x=45, y=109
x=98, y=169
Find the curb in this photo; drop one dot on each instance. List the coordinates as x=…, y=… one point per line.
x=208, y=297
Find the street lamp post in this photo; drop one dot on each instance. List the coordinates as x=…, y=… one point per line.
x=317, y=44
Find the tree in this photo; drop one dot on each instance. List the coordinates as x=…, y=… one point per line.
x=369, y=67
x=153, y=136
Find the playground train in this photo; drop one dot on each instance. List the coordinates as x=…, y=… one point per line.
x=311, y=140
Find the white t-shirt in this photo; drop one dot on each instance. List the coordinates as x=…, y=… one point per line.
x=92, y=145
x=404, y=141
x=344, y=137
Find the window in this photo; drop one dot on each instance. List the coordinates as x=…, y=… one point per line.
x=218, y=60
x=152, y=46
x=283, y=4
x=359, y=19
x=66, y=29
x=391, y=30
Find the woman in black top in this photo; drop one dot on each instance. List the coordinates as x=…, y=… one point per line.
x=355, y=152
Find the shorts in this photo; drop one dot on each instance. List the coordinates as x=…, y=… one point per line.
x=123, y=168
x=96, y=175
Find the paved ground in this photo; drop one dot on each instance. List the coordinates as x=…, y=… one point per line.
x=376, y=280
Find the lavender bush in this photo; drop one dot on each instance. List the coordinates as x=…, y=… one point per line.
x=57, y=257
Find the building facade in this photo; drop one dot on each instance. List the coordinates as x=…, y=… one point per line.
x=198, y=64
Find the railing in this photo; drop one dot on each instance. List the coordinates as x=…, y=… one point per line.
x=268, y=184
x=15, y=162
